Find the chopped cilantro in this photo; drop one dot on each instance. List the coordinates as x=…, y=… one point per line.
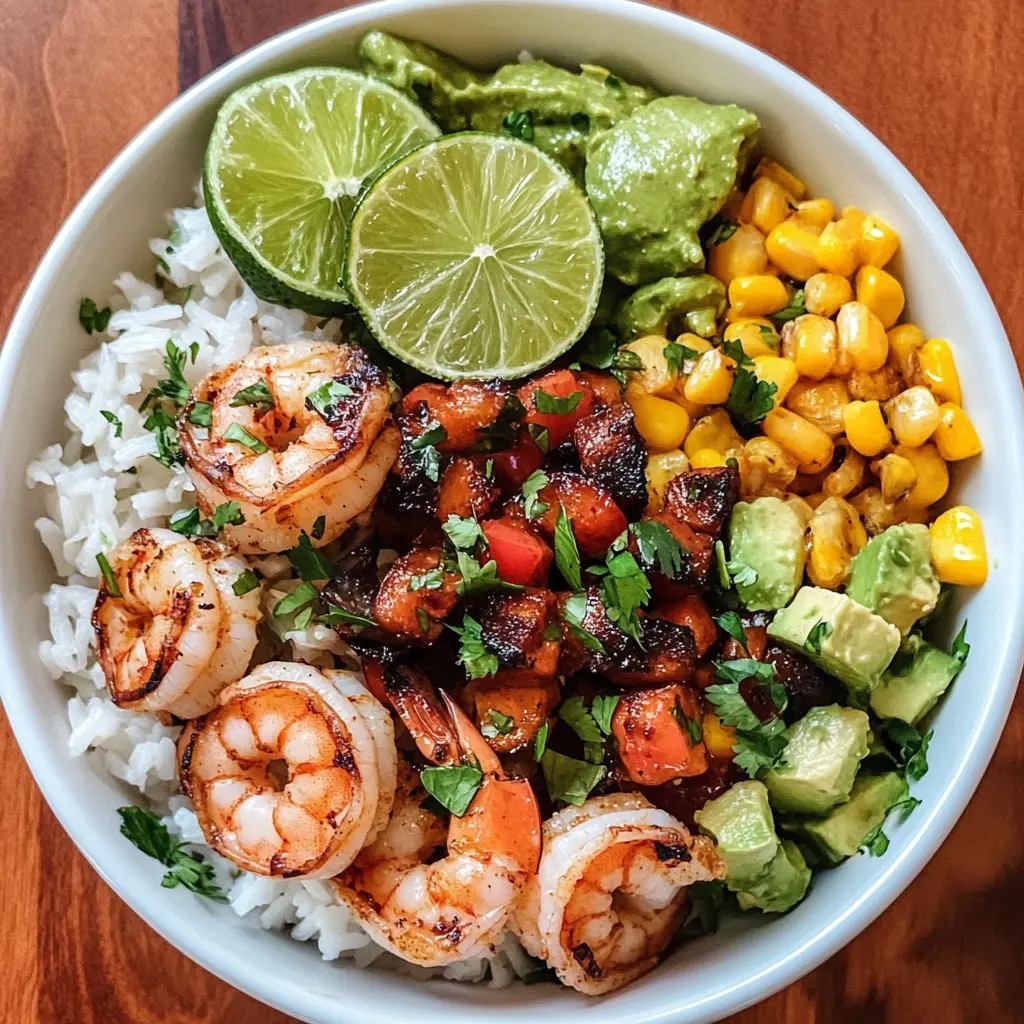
x=758, y=744
x=820, y=631
x=540, y=741
x=741, y=573
x=554, y=404
x=794, y=308
x=247, y=581
x=519, y=123
x=108, y=575
x=658, y=547
x=568, y=780
x=750, y=399
x=876, y=842
x=257, y=395
x=961, y=648
x=453, y=786
x=497, y=724
x=239, y=435
x=532, y=486
x=720, y=229
x=733, y=625
x=574, y=611
x=541, y=436
x=201, y=414
x=91, y=318
x=679, y=358
x=309, y=562
x=477, y=578
x=319, y=527
x=335, y=615
x=567, y=554
x=502, y=432
x=464, y=533
x=624, y=588
x=578, y=717
x=189, y=523
x=423, y=454
x=422, y=619
x=690, y=726
x=304, y=594
x=114, y=421
x=477, y=660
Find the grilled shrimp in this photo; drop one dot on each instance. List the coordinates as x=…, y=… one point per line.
x=293, y=773
x=611, y=890
x=297, y=431
x=450, y=909
x=177, y=633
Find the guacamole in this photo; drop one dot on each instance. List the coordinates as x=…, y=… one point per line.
x=691, y=303
x=656, y=177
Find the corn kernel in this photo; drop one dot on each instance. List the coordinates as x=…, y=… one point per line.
x=711, y=379
x=932, y=477
x=904, y=341
x=875, y=512
x=821, y=403
x=769, y=204
x=958, y=547
x=779, y=371
x=814, y=214
x=881, y=293
x=836, y=535
x=800, y=507
x=878, y=241
x=757, y=336
x=741, y=255
x=791, y=248
x=785, y=179
x=955, y=436
x=879, y=386
x=862, y=340
x=733, y=204
x=937, y=371
x=661, y=470
x=847, y=478
x=896, y=475
x=655, y=378
x=718, y=737
x=714, y=431
x=825, y=293
x=808, y=444
x=855, y=216
x=765, y=469
x=707, y=458
x=865, y=427
x=811, y=342
x=913, y=415
x=757, y=295
x=835, y=249
x=661, y=423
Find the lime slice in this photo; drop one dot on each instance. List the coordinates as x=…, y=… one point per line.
x=285, y=165
x=475, y=256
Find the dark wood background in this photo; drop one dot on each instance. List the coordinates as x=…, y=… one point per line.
x=940, y=81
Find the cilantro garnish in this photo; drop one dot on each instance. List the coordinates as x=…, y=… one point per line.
x=423, y=454
x=477, y=578
x=541, y=436
x=189, y=523
x=239, y=435
x=335, y=615
x=309, y=562
x=558, y=406
x=733, y=625
x=477, y=660
x=679, y=358
x=568, y=780
x=300, y=598
x=532, y=486
x=91, y=318
x=324, y=400
x=740, y=573
x=497, y=724
x=247, y=581
x=540, y=742
x=319, y=527
x=464, y=533
x=601, y=350
x=624, y=588
x=719, y=229
x=750, y=399
x=502, y=432
x=519, y=123
x=585, y=724
x=567, y=554
x=912, y=752
x=819, y=632
x=257, y=395
x=690, y=726
x=961, y=648
x=114, y=421
x=432, y=580
x=423, y=619
x=453, y=786
x=163, y=428
x=574, y=611
x=108, y=575
x=794, y=308
x=658, y=547
x=201, y=414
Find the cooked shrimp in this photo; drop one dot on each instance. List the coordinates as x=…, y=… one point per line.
x=287, y=446
x=611, y=890
x=436, y=913
x=293, y=773
x=177, y=634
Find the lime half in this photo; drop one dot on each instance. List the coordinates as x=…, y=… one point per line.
x=285, y=165
x=475, y=256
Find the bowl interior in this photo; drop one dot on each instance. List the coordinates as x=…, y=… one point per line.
x=838, y=158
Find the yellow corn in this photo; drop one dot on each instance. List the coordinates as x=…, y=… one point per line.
x=836, y=535
x=958, y=547
x=785, y=179
x=718, y=737
x=661, y=470
x=814, y=214
x=825, y=293
x=714, y=431
x=800, y=507
x=881, y=293
x=904, y=341
x=756, y=295
x=791, y=248
x=913, y=415
x=769, y=204
x=896, y=475
x=741, y=255
x=661, y=423
x=955, y=436
x=932, y=477
x=835, y=249
x=779, y=371
x=875, y=512
x=808, y=444
x=733, y=204
x=821, y=403
x=757, y=336
x=937, y=371
x=878, y=241
x=847, y=478
x=654, y=378
x=865, y=427
x=855, y=216
x=879, y=386
x=711, y=379
x=811, y=342
x=862, y=340
x=765, y=469
x=706, y=458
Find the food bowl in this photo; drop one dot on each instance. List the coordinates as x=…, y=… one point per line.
x=748, y=959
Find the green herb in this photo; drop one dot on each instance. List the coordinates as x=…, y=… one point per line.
x=733, y=625
x=335, y=615
x=423, y=619
x=246, y=582
x=567, y=554
x=319, y=526
x=574, y=611
x=541, y=436
x=304, y=594
x=581, y=122
x=324, y=400
x=794, y=308
x=91, y=318
x=108, y=575
x=613, y=82
x=464, y=533
x=960, y=648
x=912, y=755
x=721, y=230
x=577, y=716
x=309, y=562
x=532, y=486
x=477, y=660
x=706, y=899
x=679, y=357
x=112, y=419
x=257, y=395
x=519, y=123
x=303, y=618
x=819, y=632
x=758, y=745
x=164, y=430
x=750, y=399
x=768, y=336
x=237, y=433
x=917, y=766
x=479, y=579
x=432, y=580
x=602, y=708
x=601, y=350
x=568, y=780
x=502, y=432
x=188, y=295
x=690, y=726
x=624, y=588
x=540, y=741
x=188, y=522
x=423, y=454
x=740, y=573
x=555, y=405
x=201, y=414
x=658, y=547
x=876, y=842
x=149, y=834
x=163, y=265
x=175, y=387
x=489, y=468
x=902, y=809
x=497, y=724
x=453, y=786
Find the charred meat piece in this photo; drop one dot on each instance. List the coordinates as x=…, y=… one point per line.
x=522, y=556
x=682, y=798
x=513, y=466
x=515, y=627
x=703, y=498
x=467, y=410
x=405, y=507
x=806, y=685
x=757, y=640
x=668, y=655
x=613, y=454
x=415, y=596
x=690, y=611
x=511, y=707
x=353, y=588
x=554, y=404
x=596, y=519
x=607, y=390
x=465, y=491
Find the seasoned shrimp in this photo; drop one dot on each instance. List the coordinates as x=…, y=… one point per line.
x=436, y=913
x=177, y=634
x=297, y=431
x=611, y=890
x=293, y=773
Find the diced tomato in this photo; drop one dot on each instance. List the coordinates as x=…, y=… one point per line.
x=515, y=464
x=558, y=384
x=522, y=557
x=693, y=612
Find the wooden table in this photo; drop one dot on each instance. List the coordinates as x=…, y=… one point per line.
x=939, y=81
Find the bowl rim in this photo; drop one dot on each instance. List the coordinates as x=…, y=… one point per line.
x=288, y=995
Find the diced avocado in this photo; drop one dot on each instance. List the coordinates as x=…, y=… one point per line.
x=740, y=822
x=768, y=536
x=820, y=761
x=781, y=885
x=915, y=679
x=841, y=834
x=839, y=635
x=893, y=576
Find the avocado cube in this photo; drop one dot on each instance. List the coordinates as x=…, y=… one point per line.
x=820, y=762
x=893, y=576
x=914, y=681
x=768, y=536
x=841, y=834
x=741, y=824
x=781, y=885
x=840, y=636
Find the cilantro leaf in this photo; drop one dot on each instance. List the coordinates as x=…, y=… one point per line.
x=479, y=579
x=917, y=765
x=423, y=454
x=237, y=433
x=201, y=414
x=533, y=484
x=820, y=631
x=961, y=648
x=541, y=436
x=690, y=726
x=453, y=786
x=733, y=625
x=658, y=547
x=464, y=533
x=567, y=554
x=568, y=780
x=902, y=809
x=257, y=395
x=229, y=513
x=114, y=421
x=335, y=615
x=794, y=308
x=553, y=404
x=540, y=741
x=309, y=562
x=624, y=589
x=750, y=399
x=731, y=707
x=722, y=565
x=319, y=527
x=719, y=229
x=431, y=580
x=247, y=581
x=602, y=708
x=497, y=724
x=574, y=611
x=108, y=575
x=423, y=619
x=706, y=899
x=477, y=660
x=503, y=431
x=578, y=717
x=758, y=745
x=91, y=318
x=304, y=594
x=876, y=842
x=519, y=124
x=679, y=357
x=326, y=398
x=175, y=387
x=601, y=350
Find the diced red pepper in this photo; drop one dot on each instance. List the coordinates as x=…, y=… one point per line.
x=558, y=384
x=522, y=557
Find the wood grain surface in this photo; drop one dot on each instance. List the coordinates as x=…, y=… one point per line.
x=939, y=81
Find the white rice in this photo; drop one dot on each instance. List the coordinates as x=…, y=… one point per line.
x=92, y=502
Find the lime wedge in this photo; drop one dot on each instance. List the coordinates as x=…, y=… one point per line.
x=475, y=256
x=284, y=167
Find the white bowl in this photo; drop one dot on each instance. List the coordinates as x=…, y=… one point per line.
x=108, y=231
